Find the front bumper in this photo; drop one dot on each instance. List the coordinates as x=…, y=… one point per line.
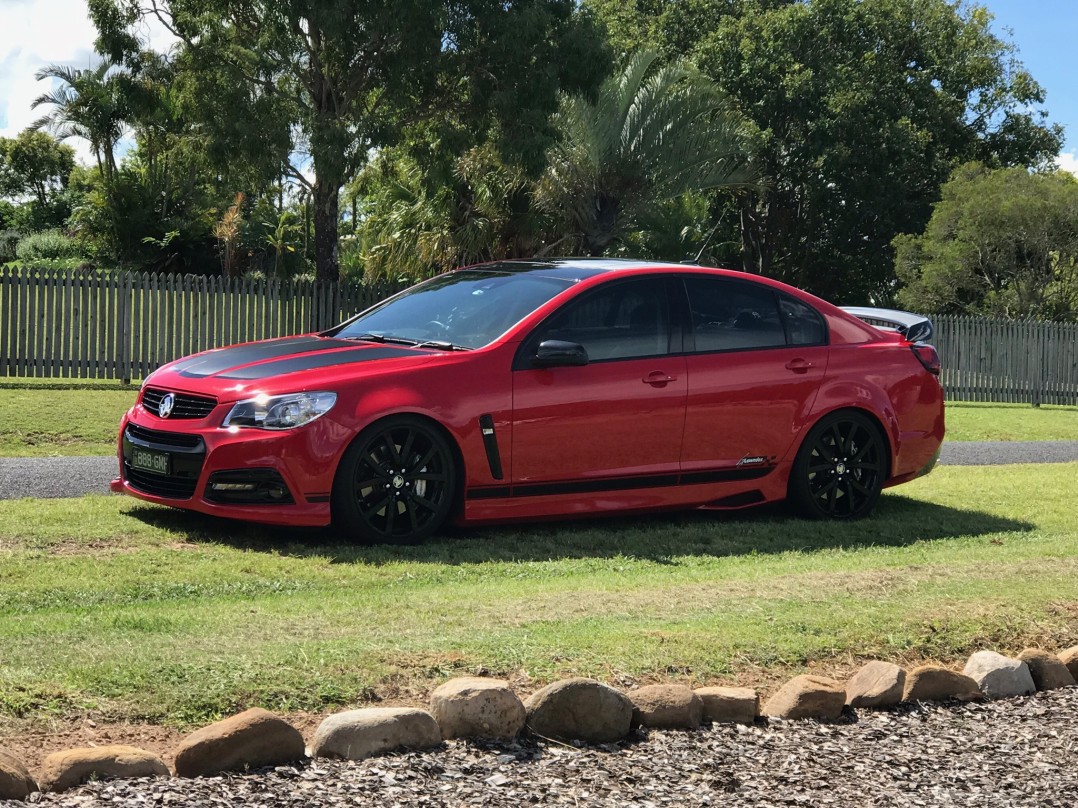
x=278, y=478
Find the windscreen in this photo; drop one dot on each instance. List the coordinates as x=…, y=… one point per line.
x=467, y=309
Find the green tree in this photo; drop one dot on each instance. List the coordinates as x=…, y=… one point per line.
x=862, y=109
x=650, y=136
x=1000, y=242
x=90, y=104
x=279, y=237
x=355, y=74
x=35, y=164
x=417, y=223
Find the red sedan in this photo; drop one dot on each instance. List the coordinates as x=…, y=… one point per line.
x=537, y=389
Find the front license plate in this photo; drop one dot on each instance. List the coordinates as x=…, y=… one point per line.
x=149, y=460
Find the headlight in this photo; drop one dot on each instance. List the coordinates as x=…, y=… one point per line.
x=280, y=412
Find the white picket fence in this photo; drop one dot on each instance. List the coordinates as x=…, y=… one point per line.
x=100, y=325
x=1018, y=361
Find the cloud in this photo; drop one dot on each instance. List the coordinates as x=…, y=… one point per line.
x=1068, y=161
x=36, y=33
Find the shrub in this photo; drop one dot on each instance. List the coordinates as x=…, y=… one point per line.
x=9, y=239
x=48, y=245
x=79, y=264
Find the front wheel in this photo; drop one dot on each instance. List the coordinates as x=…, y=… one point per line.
x=840, y=469
x=396, y=483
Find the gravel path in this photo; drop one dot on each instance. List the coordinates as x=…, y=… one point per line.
x=994, y=452
x=49, y=477
x=75, y=476
x=1018, y=752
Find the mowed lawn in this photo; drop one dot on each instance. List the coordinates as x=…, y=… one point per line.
x=139, y=612
x=39, y=420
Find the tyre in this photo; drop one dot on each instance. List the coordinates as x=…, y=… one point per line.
x=396, y=483
x=840, y=468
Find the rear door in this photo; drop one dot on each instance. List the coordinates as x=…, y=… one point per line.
x=755, y=360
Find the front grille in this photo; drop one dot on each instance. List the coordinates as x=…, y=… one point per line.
x=159, y=485
x=185, y=406
x=155, y=436
x=186, y=455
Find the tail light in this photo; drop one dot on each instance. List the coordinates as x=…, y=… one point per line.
x=928, y=357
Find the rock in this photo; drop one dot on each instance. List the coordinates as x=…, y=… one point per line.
x=64, y=770
x=1047, y=670
x=877, y=684
x=357, y=734
x=579, y=710
x=1070, y=659
x=935, y=683
x=999, y=677
x=15, y=780
x=733, y=705
x=250, y=740
x=666, y=707
x=473, y=707
x=807, y=697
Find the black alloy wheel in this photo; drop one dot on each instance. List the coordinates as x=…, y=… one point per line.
x=840, y=468
x=396, y=483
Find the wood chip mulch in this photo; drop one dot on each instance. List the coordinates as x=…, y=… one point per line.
x=1016, y=752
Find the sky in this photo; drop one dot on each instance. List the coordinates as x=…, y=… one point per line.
x=34, y=33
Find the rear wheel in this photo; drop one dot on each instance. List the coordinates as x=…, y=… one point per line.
x=840, y=469
x=396, y=483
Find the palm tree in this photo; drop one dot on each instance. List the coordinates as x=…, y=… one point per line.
x=415, y=227
x=650, y=136
x=89, y=104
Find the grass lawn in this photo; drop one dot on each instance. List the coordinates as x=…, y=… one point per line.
x=39, y=419
x=145, y=613
x=969, y=421
x=42, y=422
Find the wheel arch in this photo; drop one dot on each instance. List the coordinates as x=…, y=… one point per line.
x=430, y=421
x=872, y=416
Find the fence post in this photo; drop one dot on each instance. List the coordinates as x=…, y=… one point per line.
x=126, y=301
x=1038, y=362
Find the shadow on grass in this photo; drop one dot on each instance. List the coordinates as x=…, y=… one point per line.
x=897, y=521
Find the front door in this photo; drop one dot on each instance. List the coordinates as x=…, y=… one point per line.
x=615, y=422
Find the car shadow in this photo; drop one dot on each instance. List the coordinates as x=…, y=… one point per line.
x=662, y=538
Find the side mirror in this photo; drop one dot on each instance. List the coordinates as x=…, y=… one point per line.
x=555, y=353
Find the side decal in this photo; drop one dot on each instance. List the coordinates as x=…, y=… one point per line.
x=617, y=483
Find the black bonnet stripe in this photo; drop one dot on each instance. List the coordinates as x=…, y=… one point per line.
x=226, y=358
x=320, y=360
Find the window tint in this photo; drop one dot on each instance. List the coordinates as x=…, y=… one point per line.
x=623, y=320
x=469, y=308
x=804, y=325
x=731, y=316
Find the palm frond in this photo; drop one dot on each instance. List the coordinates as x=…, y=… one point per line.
x=654, y=132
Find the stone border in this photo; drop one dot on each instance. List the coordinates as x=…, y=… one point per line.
x=570, y=710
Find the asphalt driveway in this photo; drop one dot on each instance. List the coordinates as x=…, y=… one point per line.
x=46, y=477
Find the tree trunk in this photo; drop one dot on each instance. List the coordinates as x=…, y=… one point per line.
x=326, y=219
x=755, y=246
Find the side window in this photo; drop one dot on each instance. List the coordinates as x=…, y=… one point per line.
x=733, y=316
x=622, y=320
x=804, y=325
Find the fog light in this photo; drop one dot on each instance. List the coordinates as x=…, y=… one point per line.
x=256, y=486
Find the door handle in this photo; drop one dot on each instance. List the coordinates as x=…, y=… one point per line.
x=798, y=365
x=658, y=378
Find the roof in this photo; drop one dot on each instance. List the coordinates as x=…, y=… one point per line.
x=576, y=269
